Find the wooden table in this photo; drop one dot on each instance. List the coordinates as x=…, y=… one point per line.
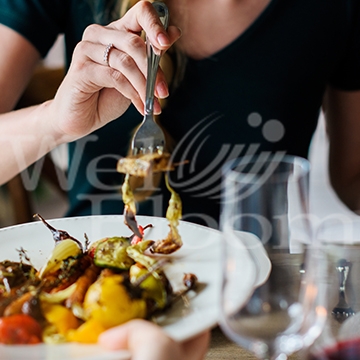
x=222, y=348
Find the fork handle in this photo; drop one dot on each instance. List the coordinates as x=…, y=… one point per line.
x=343, y=268
x=153, y=59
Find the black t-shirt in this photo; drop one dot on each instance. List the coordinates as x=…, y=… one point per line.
x=261, y=93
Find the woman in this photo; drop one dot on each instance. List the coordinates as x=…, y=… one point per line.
x=28, y=134
x=250, y=76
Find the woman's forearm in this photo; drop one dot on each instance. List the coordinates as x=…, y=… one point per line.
x=25, y=136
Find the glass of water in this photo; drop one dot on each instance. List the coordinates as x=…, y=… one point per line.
x=268, y=297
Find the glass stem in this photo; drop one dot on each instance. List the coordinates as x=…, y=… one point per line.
x=265, y=351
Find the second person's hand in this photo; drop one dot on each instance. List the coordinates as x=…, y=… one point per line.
x=147, y=341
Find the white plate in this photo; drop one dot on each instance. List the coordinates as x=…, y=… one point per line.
x=248, y=267
x=200, y=255
x=258, y=254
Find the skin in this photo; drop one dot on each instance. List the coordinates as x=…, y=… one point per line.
x=155, y=345
x=208, y=26
x=342, y=112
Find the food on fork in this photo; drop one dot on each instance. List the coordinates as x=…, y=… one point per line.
x=143, y=166
x=173, y=240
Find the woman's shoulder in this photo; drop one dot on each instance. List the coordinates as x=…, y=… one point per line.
x=39, y=21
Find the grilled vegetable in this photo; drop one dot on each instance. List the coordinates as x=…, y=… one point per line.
x=58, y=235
x=129, y=207
x=15, y=307
x=173, y=240
x=110, y=301
x=144, y=164
x=60, y=317
x=136, y=239
x=69, y=271
x=88, y=332
x=136, y=252
x=20, y=329
x=63, y=250
x=112, y=253
x=16, y=278
x=82, y=285
x=154, y=288
x=14, y=274
x=59, y=296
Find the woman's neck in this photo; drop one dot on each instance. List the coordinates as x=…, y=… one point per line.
x=210, y=25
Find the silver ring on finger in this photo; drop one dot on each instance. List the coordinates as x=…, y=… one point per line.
x=107, y=52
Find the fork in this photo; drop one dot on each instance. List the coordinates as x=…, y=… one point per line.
x=149, y=138
x=342, y=310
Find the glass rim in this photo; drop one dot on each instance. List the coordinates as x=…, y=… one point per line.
x=229, y=168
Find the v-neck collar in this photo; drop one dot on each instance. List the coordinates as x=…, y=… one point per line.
x=242, y=37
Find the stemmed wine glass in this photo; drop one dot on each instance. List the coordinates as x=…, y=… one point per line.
x=269, y=295
x=338, y=243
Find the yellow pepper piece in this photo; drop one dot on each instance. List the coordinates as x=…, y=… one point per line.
x=108, y=302
x=87, y=333
x=61, y=317
x=174, y=210
x=153, y=287
x=127, y=194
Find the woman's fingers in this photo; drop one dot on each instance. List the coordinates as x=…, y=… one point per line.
x=143, y=16
x=95, y=91
x=128, y=54
x=127, y=42
x=196, y=348
x=139, y=337
x=104, y=77
x=118, y=60
x=123, y=74
x=89, y=98
x=125, y=33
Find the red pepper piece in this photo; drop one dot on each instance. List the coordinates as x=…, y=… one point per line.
x=20, y=329
x=136, y=239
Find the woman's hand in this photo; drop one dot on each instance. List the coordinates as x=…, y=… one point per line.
x=94, y=92
x=147, y=341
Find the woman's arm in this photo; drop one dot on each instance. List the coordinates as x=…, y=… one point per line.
x=342, y=112
x=25, y=136
x=20, y=131
x=18, y=59
x=92, y=93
